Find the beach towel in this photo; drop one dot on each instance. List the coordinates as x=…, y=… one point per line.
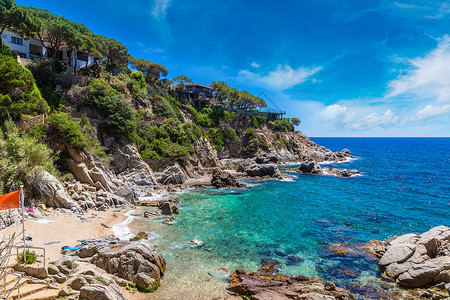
x=73, y=248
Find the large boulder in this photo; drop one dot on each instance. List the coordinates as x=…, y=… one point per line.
x=101, y=292
x=260, y=286
x=132, y=169
x=171, y=175
x=127, y=260
x=417, y=261
x=205, y=154
x=51, y=192
x=254, y=169
x=9, y=217
x=30, y=270
x=222, y=179
x=310, y=167
x=170, y=205
x=90, y=171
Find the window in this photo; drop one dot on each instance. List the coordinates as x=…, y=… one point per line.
x=16, y=40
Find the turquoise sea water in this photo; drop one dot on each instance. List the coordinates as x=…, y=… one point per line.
x=404, y=187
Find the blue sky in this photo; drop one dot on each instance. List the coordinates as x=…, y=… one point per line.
x=345, y=68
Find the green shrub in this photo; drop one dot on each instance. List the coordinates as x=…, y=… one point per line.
x=46, y=82
x=29, y=257
x=21, y=158
x=162, y=108
x=251, y=142
x=149, y=154
x=152, y=288
x=283, y=125
x=217, y=138
x=295, y=121
x=229, y=117
x=97, y=89
x=230, y=135
x=6, y=50
x=121, y=116
x=136, y=85
x=175, y=150
x=258, y=121
x=18, y=90
x=61, y=128
x=120, y=87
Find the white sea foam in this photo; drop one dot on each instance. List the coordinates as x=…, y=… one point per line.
x=348, y=159
x=162, y=194
x=290, y=178
x=153, y=236
x=121, y=230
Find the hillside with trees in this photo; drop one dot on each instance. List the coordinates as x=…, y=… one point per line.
x=108, y=105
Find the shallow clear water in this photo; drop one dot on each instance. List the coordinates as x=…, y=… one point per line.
x=404, y=187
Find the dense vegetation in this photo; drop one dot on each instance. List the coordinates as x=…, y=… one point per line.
x=139, y=107
x=21, y=158
x=18, y=90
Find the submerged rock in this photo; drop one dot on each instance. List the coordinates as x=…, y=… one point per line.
x=140, y=236
x=169, y=221
x=258, y=285
x=222, y=273
x=196, y=242
x=151, y=214
x=341, y=172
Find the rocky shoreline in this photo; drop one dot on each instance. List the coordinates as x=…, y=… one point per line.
x=135, y=263
x=417, y=262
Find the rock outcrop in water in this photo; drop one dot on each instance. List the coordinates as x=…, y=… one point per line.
x=254, y=169
x=262, y=286
x=312, y=167
x=417, y=261
x=222, y=179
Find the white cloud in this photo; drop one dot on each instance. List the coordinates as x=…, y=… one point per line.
x=284, y=77
x=406, y=5
x=443, y=10
x=375, y=120
x=357, y=118
x=255, y=65
x=429, y=78
x=430, y=112
x=159, y=10
x=430, y=9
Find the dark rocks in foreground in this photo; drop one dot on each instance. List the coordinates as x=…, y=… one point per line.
x=222, y=179
x=259, y=286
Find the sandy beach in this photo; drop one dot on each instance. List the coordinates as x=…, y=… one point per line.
x=64, y=229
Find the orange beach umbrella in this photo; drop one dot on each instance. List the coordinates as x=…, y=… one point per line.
x=10, y=200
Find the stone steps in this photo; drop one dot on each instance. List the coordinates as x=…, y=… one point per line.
x=10, y=282
x=27, y=290
x=46, y=294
